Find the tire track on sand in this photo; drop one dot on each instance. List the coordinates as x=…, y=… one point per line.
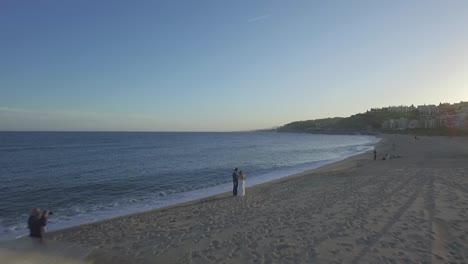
x=374, y=204
x=375, y=238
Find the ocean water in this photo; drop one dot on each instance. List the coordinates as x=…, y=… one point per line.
x=86, y=176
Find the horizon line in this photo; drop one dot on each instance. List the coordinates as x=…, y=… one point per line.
x=127, y=131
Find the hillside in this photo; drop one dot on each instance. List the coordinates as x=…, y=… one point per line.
x=388, y=120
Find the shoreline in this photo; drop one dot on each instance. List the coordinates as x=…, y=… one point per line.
x=209, y=198
x=192, y=196
x=410, y=209
x=103, y=244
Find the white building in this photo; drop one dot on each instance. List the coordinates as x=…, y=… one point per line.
x=428, y=110
x=402, y=123
x=429, y=123
x=400, y=109
x=389, y=124
x=454, y=121
x=396, y=124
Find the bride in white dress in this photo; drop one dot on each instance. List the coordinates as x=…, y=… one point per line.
x=242, y=178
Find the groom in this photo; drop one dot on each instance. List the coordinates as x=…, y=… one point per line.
x=235, y=181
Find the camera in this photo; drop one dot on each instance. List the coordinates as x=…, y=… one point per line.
x=50, y=212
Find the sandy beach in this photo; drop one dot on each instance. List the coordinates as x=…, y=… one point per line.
x=412, y=209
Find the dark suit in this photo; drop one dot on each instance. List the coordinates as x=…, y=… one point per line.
x=235, y=182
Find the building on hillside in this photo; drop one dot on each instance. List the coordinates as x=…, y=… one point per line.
x=387, y=124
x=396, y=124
x=465, y=123
x=444, y=105
x=429, y=123
x=446, y=121
x=460, y=104
x=446, y=109
x=428, y=110
x=461, y=108
x=377, y=109
x=402, y=123
x=400, y=109
x=413, y=123
x=454, y=121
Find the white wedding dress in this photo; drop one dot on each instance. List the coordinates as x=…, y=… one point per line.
x=242, y=187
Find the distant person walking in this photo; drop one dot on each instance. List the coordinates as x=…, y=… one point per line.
x=242, y=178
x=235, y=181
x=375, y=154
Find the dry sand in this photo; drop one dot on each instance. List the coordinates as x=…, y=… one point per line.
x=31, y=251
x=408, y=210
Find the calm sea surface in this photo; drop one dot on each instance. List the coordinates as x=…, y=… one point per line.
x=85, y=177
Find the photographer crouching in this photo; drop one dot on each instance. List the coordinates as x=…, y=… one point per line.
x=37, y=222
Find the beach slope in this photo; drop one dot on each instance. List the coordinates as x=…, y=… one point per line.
x=412, y=209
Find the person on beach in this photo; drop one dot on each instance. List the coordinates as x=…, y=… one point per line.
x=235, y=181
x=386, y=157
x=242, y=178
x=375, y=154
x=37, y=222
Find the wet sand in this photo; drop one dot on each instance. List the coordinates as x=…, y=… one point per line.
x=412, y=209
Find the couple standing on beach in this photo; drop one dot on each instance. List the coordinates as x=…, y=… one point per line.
x=238, y=176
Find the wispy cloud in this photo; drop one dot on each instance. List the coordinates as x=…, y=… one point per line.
x=258, y=18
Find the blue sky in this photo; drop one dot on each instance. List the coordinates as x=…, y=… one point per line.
x=223, y=65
